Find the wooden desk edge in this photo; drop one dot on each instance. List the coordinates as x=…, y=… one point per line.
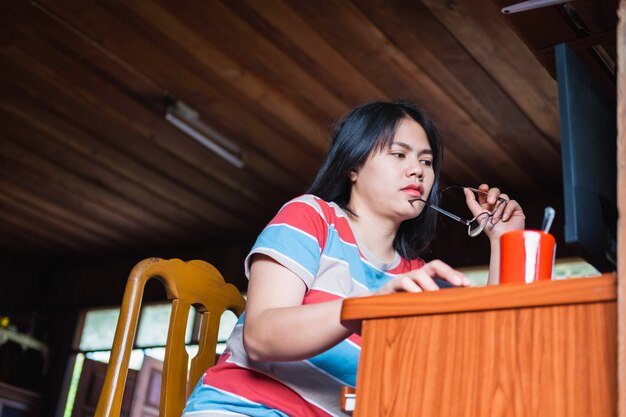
x=602, y=288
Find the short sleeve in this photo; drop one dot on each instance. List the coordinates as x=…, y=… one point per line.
x=294, y=238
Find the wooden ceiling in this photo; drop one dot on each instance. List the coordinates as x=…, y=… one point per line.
x=89, y=166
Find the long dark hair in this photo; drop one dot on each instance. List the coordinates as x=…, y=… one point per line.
x=367, y=128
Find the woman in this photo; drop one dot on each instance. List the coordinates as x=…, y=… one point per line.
x=358, y=231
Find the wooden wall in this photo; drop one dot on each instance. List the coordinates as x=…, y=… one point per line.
x=621, y=204
x=45, y=296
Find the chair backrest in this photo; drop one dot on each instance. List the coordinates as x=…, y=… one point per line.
x=196, y=283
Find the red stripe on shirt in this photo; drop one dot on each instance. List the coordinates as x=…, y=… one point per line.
x=317, y=296
x=407, y=266
x=342, y=226
x=293, y=214
x=259, y=388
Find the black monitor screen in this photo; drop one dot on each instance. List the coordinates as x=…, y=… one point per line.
x=589, y=154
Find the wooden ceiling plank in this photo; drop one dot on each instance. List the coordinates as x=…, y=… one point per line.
x=544, y=17
x=295, y=37
x=345, y=27
x=34, y=182
x=116, y=160
x=149, y=224
x=479, y=27
x=19, y=241
x=21, y=177
x=68, y=230
x=14, y=243
x=64, y=214
x=216, y=22
x=218, y=69
x=598, y=16
x=417, y=32
x=159, y=132
x=81, y=113
x=42, y=231
x=93, y=172
x=150, y=59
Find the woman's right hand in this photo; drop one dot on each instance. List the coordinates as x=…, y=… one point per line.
x=421, y=279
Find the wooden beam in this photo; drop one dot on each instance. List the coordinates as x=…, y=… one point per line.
x=621, y=206
x=379, y=59
x=479, y=26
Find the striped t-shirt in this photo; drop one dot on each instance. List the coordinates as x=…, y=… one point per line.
x=314, y=240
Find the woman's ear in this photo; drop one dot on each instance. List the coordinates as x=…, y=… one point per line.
x=353, y=176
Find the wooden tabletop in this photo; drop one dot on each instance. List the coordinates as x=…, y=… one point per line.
x=543, y=293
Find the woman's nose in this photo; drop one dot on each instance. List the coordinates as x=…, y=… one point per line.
x=415, y=169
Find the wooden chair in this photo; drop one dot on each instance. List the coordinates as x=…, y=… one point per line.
x=190, y=283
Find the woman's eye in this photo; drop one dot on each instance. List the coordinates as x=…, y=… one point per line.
x=427, y=162
x=398, y=155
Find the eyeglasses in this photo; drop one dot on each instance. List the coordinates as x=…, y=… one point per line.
x=476, y=224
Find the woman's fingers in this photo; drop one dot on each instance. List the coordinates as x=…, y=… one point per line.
x=442, y=270
x=408, y=285
x=422, y=279
x=470, y=199
x=512, y=207
x=501, y=207
x=506, y=215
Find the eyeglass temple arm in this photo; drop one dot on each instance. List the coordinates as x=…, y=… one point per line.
x=445, y=212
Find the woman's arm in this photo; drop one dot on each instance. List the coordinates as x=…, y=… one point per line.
x=277, y=326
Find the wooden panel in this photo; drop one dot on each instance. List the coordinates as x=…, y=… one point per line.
x=61, y=213
x=393, y=70
x=66, y=234
x=18, y=402
x=103, y=129
x=481, y=29
x=556, y=361
x=284, y=89
x=150, y=57
x=417, y=32
x=299, y=38
x=621, y=205
x=137, y=217
x=90, y=385
x=46, y=147
x=85, y=88
x=147, y=396
x=148, y=129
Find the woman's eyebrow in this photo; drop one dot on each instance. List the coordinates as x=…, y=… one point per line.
x=408, y=147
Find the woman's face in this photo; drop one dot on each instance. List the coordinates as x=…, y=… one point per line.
x=390, y=180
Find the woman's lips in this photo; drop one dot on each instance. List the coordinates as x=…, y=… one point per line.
x=414, y=190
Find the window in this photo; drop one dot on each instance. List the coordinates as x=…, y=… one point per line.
x=563, y=268
x=97, y=330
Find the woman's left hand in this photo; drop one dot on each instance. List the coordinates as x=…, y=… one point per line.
x=508, y=216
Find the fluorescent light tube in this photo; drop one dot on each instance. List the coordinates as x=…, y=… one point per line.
x=531, y=4
x=187, y=121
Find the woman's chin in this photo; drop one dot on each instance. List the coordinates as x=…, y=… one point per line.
x=411, y=214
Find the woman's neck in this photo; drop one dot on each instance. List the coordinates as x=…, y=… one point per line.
x=377, y=234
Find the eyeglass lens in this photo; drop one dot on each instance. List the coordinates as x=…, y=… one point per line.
x=477, y=224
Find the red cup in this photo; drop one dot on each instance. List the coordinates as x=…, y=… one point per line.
x=526, y=256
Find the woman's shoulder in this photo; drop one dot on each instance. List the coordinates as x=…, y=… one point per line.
x=309, y=199
x=309, y=204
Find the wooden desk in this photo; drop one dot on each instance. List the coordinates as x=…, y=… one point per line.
x=543, y=349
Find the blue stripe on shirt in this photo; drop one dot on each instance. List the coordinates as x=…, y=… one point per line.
x=206, y=399
x=362, y=272
x=293, y=244
x=340, y=361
